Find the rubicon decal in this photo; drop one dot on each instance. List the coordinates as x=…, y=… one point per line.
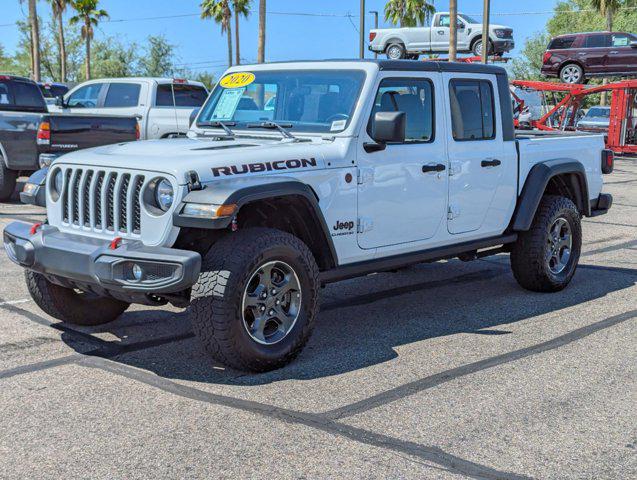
x=264, y=166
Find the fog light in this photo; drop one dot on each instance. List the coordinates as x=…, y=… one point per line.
x=137, y=272
x=30, y=188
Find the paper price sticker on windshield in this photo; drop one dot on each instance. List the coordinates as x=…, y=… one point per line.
x=237, y=80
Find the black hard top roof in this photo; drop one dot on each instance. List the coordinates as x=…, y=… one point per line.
x=415, y=65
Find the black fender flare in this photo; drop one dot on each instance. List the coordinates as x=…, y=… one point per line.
x=535, y=186
x=245, y=190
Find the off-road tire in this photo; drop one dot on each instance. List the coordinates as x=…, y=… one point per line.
x=8, y=180
x=70, y=306
x=529, y=254
x=216, y=306
x=399, y=47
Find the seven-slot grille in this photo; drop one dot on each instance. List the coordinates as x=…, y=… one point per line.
x=102, y=200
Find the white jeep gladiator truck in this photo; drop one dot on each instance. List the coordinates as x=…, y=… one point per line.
x=358, y=167
x=411, y=42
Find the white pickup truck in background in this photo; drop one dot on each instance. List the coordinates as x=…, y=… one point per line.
x=410, y=42
x=162, y=105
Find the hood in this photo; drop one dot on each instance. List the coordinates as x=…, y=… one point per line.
x=503, y=27
x=211, y=158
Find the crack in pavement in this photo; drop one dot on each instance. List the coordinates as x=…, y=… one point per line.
x=435, y=455
x=417, y=386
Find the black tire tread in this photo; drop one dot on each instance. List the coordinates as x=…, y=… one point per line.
x=527, y=256
x=212, y=313
x=67, y=305
x=8, y=180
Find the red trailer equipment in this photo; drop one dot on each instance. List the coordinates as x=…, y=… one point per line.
x=622, y=130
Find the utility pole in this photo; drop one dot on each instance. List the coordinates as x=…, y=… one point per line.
x=375, y=13
x=485, y=31
x=362, y=30
x=453, y=30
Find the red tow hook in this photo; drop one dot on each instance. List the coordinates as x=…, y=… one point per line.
x=34, y=228
x=116, y=242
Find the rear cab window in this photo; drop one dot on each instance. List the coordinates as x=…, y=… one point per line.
x=472, y=109
x=122, y=95
x=17, y=95
x=184, y=95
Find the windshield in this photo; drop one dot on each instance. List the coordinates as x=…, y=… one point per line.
x=304, y=100
x=599, y=112
x=467, y=18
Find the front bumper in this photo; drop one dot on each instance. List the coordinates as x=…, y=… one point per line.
x=91, y=264
x=503, y=46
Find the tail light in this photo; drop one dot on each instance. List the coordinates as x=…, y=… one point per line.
x=608, y=161
x=44, y=133
x=179, y=80
x=546, y=57
x=137, y=131
x=372, y=36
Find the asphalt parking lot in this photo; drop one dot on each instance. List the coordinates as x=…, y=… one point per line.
x=445, y=370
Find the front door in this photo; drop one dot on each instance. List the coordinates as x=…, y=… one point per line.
x=402, y=192
x=622, y=57
x=478, y=164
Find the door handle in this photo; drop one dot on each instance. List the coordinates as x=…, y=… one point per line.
x=490, y=163
x=614, y=51
x=441, y=32
x=433, y=168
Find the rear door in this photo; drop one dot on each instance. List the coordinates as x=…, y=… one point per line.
x=482, y=175
x=402, y=189
x=595, y=54
x=173, y=103
x=622, y=57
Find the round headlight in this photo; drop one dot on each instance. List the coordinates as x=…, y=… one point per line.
x=57, y=181
x=164, y=194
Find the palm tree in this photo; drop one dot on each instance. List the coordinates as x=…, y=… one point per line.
x=261, y=50
x=453, y=29
x=607, y=8
x=241, y=7
x=88, y=15
x=58, y=7
x=35, y=40
x=219, y=11
x=408, y=13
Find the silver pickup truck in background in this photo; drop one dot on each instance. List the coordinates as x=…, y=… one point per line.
x=410, y=42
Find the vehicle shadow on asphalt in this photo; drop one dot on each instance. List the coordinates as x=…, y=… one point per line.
x=362, y=322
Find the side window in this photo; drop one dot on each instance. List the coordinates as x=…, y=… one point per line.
x=412, y=96
x=597, y=40
x=472, y=110
x=620, y=40
x=122, y=95
x=164, y=96
x=190, y=95
x=561, y=43
x=85, y=97
x=5, y=98
x=444, y=21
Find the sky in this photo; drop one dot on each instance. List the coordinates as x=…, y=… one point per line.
x=200, y=46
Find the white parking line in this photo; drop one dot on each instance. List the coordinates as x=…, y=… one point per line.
x=14, y=302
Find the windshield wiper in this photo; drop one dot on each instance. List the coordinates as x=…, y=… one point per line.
x=218, y=124
x=281, y=127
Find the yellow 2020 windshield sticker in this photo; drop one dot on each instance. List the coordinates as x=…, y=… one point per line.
x=237, y=80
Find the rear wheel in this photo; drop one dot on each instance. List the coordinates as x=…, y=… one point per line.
x=396, y=51
x=572, y=73
x=7, y=182
x=544, y=259
x=70, y=305
x=255, y=302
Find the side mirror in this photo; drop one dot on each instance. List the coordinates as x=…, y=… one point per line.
x=193, y=116
x=633, y=44
x=387, y=127
x=59, y=101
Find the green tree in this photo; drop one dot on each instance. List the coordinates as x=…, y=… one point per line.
x=158, y=59
x=527, y=66
x=58, y=7
x=241, y=7
x=111, y=58
x=408, y=13
x=7, y=63
x=89, y=16
x=219, y=11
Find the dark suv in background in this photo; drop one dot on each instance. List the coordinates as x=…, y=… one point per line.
x=574, y=57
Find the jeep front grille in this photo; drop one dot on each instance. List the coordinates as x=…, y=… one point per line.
x=102, y=200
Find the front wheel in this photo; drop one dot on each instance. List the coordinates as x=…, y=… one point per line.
x=477, y=48
x=72, y=306
x=255, y=302
x=544, y=258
